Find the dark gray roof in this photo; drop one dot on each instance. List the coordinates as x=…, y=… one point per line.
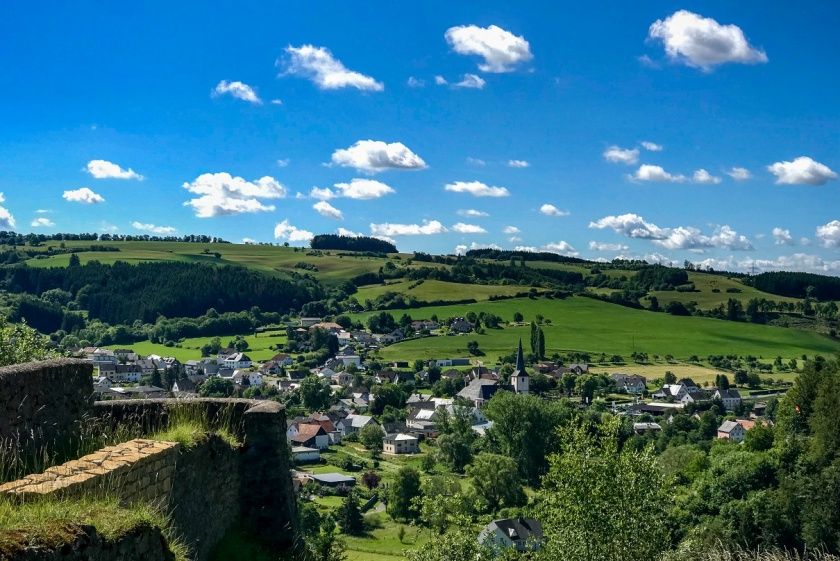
x=520, y=529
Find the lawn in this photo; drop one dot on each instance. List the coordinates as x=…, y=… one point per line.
x=586, y=324
x=260, y=347
x=434, y=290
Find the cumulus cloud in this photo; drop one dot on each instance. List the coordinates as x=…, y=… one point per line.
x=561, y=248
x=238, y=90
x=373, y=156
x=703, y=43
x=478, y=162
x=631, y=226
x=703, y=176
x=648, y=172
x=103, y=169
x=781, y=236
x=83, y=195
x=618, y=155
x=285, y=231
x=283, y=162
x=739, y=174
x=471, y=82
x=551, y=210
x=427, y=228
x=801, y=171
x=471, y=212
x=413, y=82
x=477, y=189
x=42, y=223
x=462, y=228
x=460, y=249
x=687, y=237
x=327, y=72
x=518, y=164
x=223, y=194
x=440, y=81
x=326, y=209
x=501, y=50
x=828, y=235
x=511, y=230
x=651, y=146
x=359, y=189
x=152, y=229
x=7, y=221
x=601, y=246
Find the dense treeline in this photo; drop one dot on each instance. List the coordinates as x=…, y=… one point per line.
x=123, y=293
x=659, y=277
x=352, y=243
x=13, y=238
x=798, y=285
x=500, y=254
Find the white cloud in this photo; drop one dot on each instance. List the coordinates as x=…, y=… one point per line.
x=703, y=176
x=83, y=195
x=42, y=223
x=739, y=174
x=373, y=156
x=282, y=163
x=429, y=227
x=561, y=247
x=477, y=189
x=801, y=171
x=108, y=227
x=647, y=172
x=276, y=101
x=601, y=246
x=518, y=164
x=501, y=49
x=618, y=155
x=249, y=241
x=285, y=231
x=413, y=82
x=39, y=211
x=703, y=43
x=478, y=162
x=804, y=241
x=223, y=194
x=471, y=81
x=7, y=221
x=152, y=229
x=782, y=236
x=327, y=72
x=630, y=225
x=103, y=169
x=551, y=210
x=471, y=212
x=462, y=228
x=511, y=230
x=687, y=237
x=460, y=249
x=326, y=209
x=651, y=146
x=348, y=233
x=829, y=234
x=359, y=189
x=795, y=262
x=440, y=81
x=238, y=90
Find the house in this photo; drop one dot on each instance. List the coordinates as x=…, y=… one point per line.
x=521, y=534
x=460, y=325
x=576, y=369
x=731, y=430
x=671, y=391
x=731, y=398
x=125, y=355
x=237, y=361
x=421, y=420
x=304, y=454
x=283, y=359
x=387, y=377
x=348, y=358
x=309, y=322
x=696, y=396
x=354, y=423
x=139, y=392
x=311, y=436
x=446, y=362
x=342, y=378
x=519, y=378
x=330, y=326
x=184, y=387
x=630, y=383
x=102, y=383
x=641, y=428
x=99, y=356
x=335, y=480
x=400, y=443
x=127, y=373
x=479, y=391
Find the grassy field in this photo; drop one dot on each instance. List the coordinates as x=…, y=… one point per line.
x=706, y=298
x=701, y=375
x=585, y=324
x=260, y=347
x=432, y=290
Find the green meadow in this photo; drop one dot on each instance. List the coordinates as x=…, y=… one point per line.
x=260, y=347
x=586, y=324
x=435, y=290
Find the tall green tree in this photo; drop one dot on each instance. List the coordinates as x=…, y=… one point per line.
x=350, y=518
x=402, y=492
x=602, y=503
x=496, y=482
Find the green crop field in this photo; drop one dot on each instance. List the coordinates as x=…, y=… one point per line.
x=585, y=324
x=260, y=347
x=434, y=290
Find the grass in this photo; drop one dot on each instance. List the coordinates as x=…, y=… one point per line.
x=705, y=284
x=54, y=522
x=699, y=373
x=435, y=290
x=260, y=347
x=585, y=324
x=383, y=542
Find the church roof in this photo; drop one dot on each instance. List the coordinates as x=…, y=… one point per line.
x=520, y=362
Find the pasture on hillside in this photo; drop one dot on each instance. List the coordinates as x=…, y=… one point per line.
x=586, y=324
x=260, y=347
x=435, y=290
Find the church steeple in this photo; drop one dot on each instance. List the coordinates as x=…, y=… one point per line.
x=519, y=379
x=520, y=359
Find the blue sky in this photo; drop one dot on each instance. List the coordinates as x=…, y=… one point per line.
x=237, y=121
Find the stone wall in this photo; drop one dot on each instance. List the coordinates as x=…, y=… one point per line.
x=42, y=403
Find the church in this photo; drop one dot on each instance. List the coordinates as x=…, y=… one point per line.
x=480, y=390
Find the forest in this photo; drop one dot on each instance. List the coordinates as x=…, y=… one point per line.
x=352, y=243
x=798, y=285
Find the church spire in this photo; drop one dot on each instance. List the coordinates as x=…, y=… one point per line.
x=520, y=359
